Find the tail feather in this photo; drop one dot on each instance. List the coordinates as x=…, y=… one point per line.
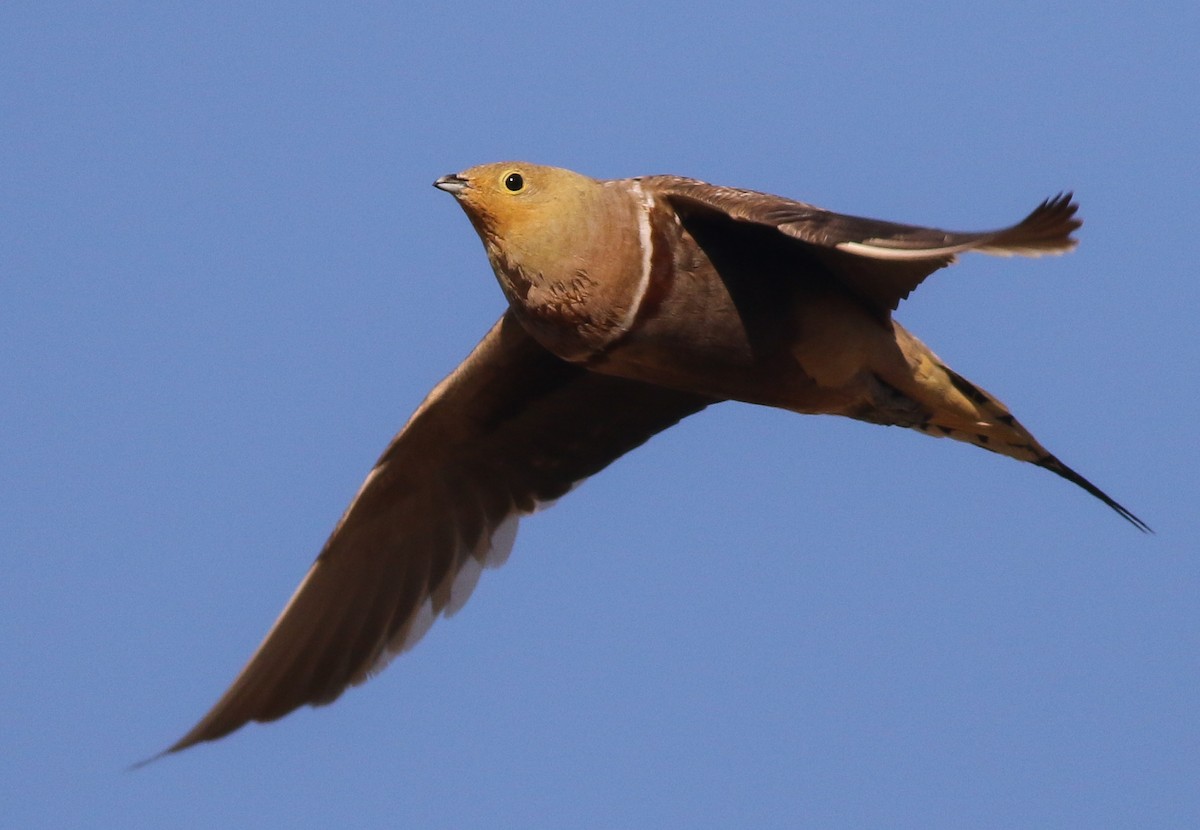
x=998, y=431
x=1058, y=468
x=923, y=393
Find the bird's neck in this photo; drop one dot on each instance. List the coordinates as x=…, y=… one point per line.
x=576, y=282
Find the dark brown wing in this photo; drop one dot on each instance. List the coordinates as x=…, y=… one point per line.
x=513, y=426
x=882, y=262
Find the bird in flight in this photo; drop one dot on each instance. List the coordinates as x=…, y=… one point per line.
x=632, y=304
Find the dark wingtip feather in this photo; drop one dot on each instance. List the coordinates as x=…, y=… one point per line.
x=1046, y=230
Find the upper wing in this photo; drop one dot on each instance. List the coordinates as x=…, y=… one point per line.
x=509, y=428
x=882, y=262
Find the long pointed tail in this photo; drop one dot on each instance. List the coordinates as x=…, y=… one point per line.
x=1000, y=432
x=1055, y=466
x=938, y=401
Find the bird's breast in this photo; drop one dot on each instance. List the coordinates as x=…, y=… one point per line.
x=577, y=286
x=643, y=296
x=711, y=328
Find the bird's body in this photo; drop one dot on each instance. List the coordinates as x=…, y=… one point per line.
x=633, y=303
x=677, y=283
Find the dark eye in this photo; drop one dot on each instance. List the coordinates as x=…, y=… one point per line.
x=514, y=182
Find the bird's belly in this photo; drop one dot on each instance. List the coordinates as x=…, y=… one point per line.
x=714, y=351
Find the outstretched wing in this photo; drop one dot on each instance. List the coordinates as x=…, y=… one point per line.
x=511, y=427
x=881, y=262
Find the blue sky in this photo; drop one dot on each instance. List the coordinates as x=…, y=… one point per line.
x=225, y=281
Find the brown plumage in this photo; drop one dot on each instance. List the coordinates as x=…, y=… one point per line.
x=632, y=304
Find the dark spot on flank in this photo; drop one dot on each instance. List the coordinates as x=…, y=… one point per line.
x=969, y=390
x=981, y=438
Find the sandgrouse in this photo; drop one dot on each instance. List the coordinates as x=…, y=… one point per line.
x=632, y=304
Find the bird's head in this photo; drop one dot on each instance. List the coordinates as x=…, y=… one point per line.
x=567, y=249
x=526, y=214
